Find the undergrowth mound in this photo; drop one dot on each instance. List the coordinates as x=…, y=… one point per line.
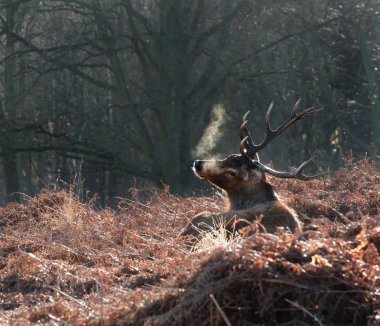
x=65, y=262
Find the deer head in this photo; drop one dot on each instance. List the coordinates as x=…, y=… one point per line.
x=241, y=173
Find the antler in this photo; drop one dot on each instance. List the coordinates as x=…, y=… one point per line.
x=246, y=138
x=296, y=174
x=249, y=149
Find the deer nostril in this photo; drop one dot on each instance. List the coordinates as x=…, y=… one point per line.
x=197, y=165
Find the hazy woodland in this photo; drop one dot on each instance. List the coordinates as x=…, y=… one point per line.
x=113, y=94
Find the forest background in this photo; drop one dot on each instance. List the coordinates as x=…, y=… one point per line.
x=111, y=94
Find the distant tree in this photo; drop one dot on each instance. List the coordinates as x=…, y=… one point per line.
x=12, y=15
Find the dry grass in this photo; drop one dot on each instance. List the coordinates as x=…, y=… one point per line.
x=64, y=262
x=217, y=236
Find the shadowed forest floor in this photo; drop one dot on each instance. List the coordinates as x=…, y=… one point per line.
x=65, y=262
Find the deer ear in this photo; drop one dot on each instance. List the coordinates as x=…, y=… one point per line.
x=247, y=172
x=254, y=175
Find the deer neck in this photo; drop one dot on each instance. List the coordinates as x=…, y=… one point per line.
x=250, y=196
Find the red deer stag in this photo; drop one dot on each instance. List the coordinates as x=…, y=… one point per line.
x=242, y=177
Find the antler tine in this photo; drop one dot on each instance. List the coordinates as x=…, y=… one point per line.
x=243, y=128
x=296, y=106
x=246, y=140
x=296, y=174
x=242, y=146
x=267, y=114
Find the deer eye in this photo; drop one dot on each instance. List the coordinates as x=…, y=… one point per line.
x=231, y=173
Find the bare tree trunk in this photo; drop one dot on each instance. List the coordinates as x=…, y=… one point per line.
x=373, y=93
x=8, y=112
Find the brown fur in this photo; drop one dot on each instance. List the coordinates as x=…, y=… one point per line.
x=249, y=198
